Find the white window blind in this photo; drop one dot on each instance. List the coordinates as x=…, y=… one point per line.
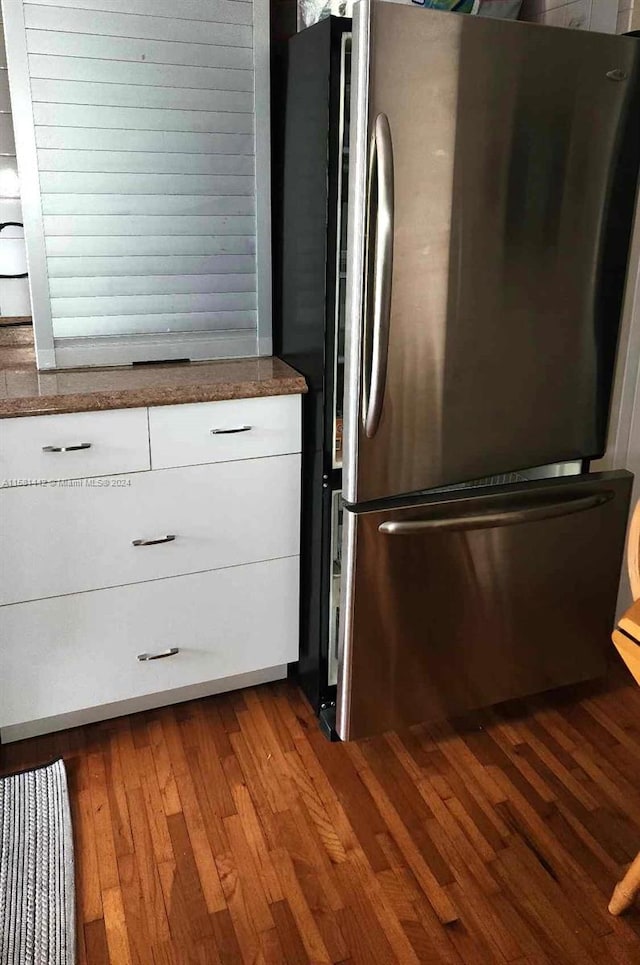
x=152, y=175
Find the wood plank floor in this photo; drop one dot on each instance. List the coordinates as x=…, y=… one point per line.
x=228, y=830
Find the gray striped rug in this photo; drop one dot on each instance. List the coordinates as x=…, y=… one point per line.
x=37, y=906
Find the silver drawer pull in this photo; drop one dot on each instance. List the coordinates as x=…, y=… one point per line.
x=153, y=542
x=81, y=445
x=170, y=652
x=230, y=432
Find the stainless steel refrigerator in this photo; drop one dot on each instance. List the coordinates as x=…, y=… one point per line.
x=492, y=181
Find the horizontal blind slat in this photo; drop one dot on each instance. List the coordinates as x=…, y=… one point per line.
x=142, y=74
x=148, y=225
x=80, y=183
x=205, y=10
x=134, y=162
x=98, y=325
x=142, y=265
x=151, y=304
x=116, y=246
x=150, y=51
x=146, y=27
x=92, y=287
x=148, y=204
x=124, y=95
x=181, y=142
x=143, y=119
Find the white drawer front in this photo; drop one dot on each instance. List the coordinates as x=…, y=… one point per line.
x=70, y=653
x=78, y=535
x=186, y=435
x=90, y=444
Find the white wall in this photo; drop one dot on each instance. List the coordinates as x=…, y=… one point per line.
x=606, y=16
x=629, y=16
x=14, y=292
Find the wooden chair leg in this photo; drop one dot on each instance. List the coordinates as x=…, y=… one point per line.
x=626, y=890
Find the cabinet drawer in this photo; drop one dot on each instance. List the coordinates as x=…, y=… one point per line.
x=77, y=652
x=186, y=435
x=73, y=446
x=79, y=535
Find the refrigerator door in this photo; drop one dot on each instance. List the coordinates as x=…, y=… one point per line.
x=455, y=603
x=494, y=169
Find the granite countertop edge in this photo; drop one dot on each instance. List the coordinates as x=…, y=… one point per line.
x=101, y=402
x=31, y=399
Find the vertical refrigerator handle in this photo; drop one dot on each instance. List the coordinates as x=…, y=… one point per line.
x=379, y=265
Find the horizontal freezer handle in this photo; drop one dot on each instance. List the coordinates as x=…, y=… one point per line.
x=492, y=520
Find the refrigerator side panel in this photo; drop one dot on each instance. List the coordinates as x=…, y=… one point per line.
x=355, y=243
x=460, y=603
x=301, y=329
x=306, y=329
x=504, y=156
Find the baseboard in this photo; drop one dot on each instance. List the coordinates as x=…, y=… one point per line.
x=77, y=718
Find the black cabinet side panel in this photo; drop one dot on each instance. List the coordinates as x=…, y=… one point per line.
x=305, y=194
x=300, y=330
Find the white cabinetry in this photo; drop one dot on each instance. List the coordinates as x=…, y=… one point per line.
x=194, y=565
x=80, y=444
x=185, y=435
x=226, y=515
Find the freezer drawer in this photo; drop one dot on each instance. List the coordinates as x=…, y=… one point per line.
x=458, y=603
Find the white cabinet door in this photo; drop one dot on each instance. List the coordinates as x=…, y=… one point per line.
x=79, y=535
x=71, y=653
x=74, y=445
x=185, y=435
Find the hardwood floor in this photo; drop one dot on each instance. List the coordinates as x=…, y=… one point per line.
x=228, y=830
